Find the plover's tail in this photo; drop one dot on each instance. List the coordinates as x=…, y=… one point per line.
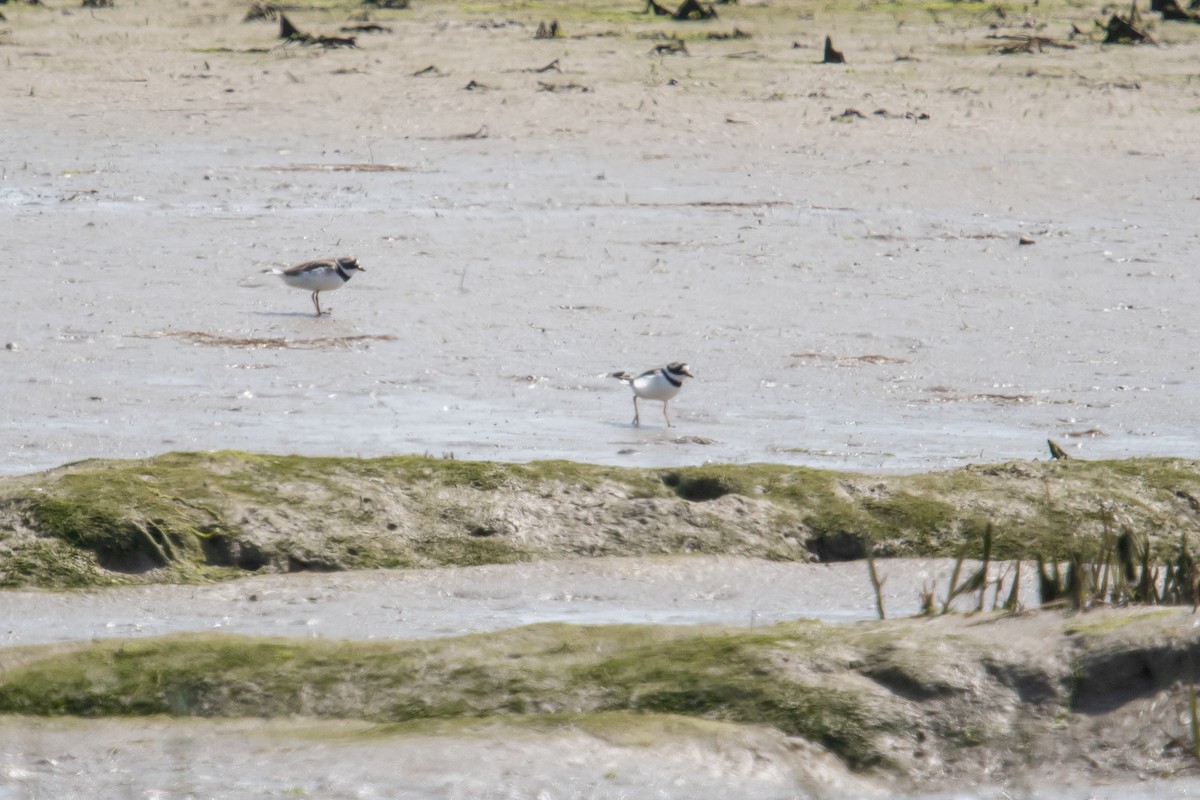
x=623, y=377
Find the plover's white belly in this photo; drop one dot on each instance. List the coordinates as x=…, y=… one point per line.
x=314, y=280
x=654, y=387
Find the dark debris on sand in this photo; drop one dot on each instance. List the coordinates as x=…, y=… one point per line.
x=293, y=35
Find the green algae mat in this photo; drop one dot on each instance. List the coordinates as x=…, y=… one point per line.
x=184, y=517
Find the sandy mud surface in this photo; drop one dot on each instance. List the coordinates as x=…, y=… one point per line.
x=848, y=287
x=418, y=604
x=164, y=758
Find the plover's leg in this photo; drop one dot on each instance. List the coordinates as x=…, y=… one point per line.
x=636, y=421
x=317, y=301
x=667, y=416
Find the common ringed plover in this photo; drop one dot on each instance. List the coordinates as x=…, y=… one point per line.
x=662, y=384
x=322, y=275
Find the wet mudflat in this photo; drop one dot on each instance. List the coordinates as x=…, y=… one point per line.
x=424, y=603
x=850, y=288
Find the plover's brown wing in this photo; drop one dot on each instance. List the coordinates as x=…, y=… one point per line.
x=309, y=266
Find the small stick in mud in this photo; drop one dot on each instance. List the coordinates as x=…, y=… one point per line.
x=1056, y=452
x=670, y=47
x=692, y=9
x=1013, y=604
x=365, y=27
x=1125, y=29
x=287, y=30
x=877, y=585
x=832, y=56
x=293, y=35
x=1029, y=44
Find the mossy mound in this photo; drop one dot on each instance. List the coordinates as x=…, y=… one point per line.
x=920, y=697
x=791, y=678
x=202, y=516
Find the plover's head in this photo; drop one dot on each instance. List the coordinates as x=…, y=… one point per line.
x=349, y=262
x=679, y=369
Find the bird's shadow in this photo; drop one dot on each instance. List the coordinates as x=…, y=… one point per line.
x=308, y=314
x=629, y=426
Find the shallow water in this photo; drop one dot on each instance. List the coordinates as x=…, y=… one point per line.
x=416, y=604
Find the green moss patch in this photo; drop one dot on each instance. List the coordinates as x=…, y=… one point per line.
x=206, y=516
x=881, y=695
x=720, y=675
x=894, y=697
